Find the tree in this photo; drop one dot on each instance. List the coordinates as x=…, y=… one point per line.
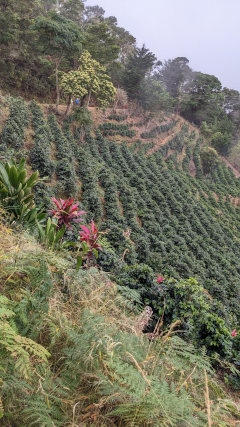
x=89, y=79
x=138, y=65
x=94, y=15
x=209, y=159
x=174, y=74
x=73, y=10
x=221, y=141
x=48, y=5
x=120, y=99
x=124, y=40
x=203, y=99
x=19, y=61
x=154, y=96
x=101, y=44
x=58, y=38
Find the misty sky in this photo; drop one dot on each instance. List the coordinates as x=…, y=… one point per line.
x=207, y=32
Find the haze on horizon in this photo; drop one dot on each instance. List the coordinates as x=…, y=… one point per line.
x=207, y=33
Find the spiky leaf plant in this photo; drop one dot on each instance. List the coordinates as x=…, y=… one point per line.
x=16, y=194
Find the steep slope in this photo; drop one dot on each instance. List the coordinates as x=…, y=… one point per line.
x=73, y=351
x=142, y=192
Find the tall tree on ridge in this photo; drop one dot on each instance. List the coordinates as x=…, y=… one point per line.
x=90, y=79
x=138, y=65
x=58, y=38
x=101, y=44
x=73, y=10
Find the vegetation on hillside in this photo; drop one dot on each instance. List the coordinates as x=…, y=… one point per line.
x=119, y=230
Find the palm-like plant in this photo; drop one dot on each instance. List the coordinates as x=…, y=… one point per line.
x=16, y=194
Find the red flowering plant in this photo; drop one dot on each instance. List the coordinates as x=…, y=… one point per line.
x=66, y=212
x=90, y=246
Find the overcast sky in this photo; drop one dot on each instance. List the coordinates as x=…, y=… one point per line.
x=207, y=32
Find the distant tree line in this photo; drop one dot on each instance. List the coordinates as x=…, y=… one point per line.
x=46, y=49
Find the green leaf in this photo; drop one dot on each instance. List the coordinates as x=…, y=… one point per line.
x=79, y=262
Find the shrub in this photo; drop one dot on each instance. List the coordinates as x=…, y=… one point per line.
x=13, y=132
x=110, y=129
x=40, y=155
x=16, y=193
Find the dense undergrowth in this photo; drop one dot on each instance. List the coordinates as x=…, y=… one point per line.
x=117, y=344
x=73, y=351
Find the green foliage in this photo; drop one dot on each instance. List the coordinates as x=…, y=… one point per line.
x=110, y=129
x=158, y=129
x=23, y=352
x=16, y=194
x=13, y=132
x=221, y=142
x=174, y=74
x=89, y=79
x=117, y=117
x=65, y=168
x=187, y=300
x=57, y=38
x=139, y=63
x=96, y=342
x=40, y=155
x=50, y=236
x=101, y=44
x=154, y=96
x=209, y=159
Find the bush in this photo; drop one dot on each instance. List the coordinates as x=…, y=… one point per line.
x=40, y=155
x=13, y=132
x=110, y=129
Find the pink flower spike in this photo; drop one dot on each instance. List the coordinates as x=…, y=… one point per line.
x=234, y=332
x=160, y=279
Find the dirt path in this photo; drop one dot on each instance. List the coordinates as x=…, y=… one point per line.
x=167, y=138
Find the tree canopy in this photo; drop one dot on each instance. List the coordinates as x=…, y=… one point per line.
x=89, y=79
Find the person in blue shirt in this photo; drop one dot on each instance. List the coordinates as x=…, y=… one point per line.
x=77, y=101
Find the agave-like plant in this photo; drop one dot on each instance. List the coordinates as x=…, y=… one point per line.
x=16, y=195
x=66, y=212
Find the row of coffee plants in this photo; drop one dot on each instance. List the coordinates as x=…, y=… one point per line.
x=117, y=117
x=164, y=202
x=111, y=129
x=13, y=133
x=40, y=155
x=159, y=129
x=159, y=216
x=161, y=230
x=65, y=168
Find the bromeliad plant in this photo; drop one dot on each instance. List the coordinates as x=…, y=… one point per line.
x=89, y=245
x=66, y=213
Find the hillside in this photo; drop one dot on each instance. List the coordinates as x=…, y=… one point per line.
x=180, y=223
x=73, y=348
x=119, y=221
x=140, y=178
